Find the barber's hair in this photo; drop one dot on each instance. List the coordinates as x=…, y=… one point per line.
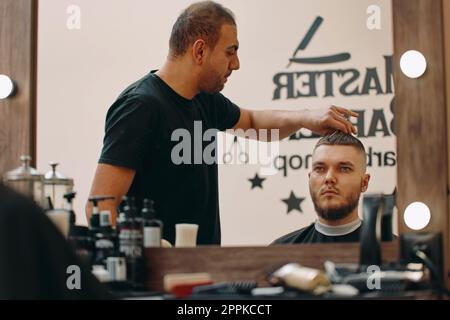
x=200, y=20
x=339, y=138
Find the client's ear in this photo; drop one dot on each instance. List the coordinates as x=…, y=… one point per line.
x=365, y=182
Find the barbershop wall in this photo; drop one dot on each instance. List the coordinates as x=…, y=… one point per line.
x=89, y=51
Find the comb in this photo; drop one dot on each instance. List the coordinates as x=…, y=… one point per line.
x=235, y=287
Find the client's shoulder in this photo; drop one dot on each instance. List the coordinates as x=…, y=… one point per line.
x=294, y=236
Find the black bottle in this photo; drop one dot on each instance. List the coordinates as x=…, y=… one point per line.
x=152, y=227
x=123, y=228
x=130, y=244
x=104, y=239
x=130, y=232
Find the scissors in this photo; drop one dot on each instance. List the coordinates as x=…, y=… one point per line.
x=242, y=155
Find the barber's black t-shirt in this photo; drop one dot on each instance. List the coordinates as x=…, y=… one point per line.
x=138, y=135
x=311, y=235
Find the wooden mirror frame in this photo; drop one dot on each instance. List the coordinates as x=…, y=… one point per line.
x=422, y=111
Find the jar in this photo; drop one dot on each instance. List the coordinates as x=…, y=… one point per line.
x=27, y=181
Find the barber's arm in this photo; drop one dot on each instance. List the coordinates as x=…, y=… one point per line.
x=113, y=181
x=289, y=122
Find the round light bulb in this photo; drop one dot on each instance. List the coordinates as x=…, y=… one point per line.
x=6, y=86
x=417, y=215
x=413, y=64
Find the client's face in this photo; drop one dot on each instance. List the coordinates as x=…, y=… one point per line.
x=337, y=180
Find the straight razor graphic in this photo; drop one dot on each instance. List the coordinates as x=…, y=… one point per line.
x=319, y=60
x=316, y=60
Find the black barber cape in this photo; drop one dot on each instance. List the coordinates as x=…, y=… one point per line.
x=34, y=256
x=147, y=124
x=310, y=234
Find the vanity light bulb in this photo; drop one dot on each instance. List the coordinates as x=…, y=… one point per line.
x=417, y=216
x=413, y=64
x=6, y=86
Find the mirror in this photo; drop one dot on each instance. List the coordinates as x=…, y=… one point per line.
x=293, y=55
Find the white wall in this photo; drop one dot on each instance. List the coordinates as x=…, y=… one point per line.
x=82, y=71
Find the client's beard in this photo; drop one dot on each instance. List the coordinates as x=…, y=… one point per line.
x=336, y=213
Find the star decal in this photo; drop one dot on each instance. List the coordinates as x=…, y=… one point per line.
x=293, y=203
x=257, y=181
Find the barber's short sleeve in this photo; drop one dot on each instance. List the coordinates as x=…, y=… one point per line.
x=128, y=133
x=228, y=113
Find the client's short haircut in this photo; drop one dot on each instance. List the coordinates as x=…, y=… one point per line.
x=339, y=138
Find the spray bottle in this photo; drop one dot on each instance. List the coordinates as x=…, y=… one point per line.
x=102, y=245
x=69, y=198
x=94, y=223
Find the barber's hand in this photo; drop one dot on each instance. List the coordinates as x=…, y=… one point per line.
x=329, y=120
